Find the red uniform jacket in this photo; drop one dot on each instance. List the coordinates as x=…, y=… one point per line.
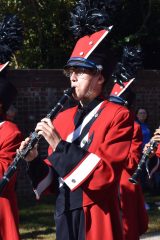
x=10, y=138
x=90, y=174
x=134, y=215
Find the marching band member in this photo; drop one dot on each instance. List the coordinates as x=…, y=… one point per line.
x=89, y=143
x=134, y=214
x=10, y=140
x=10, y=135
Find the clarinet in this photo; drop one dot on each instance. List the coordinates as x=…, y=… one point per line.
x=34, y=139
x=141, y=165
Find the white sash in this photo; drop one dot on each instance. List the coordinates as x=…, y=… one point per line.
x=77, y=132
x=2, y=123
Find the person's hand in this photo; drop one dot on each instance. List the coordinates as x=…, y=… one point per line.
x=156, y=136
x=47, y=130
x=33, y=153
x=153, y=151
x=147, y=145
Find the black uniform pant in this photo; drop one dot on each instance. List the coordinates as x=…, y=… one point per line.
x=70, y=225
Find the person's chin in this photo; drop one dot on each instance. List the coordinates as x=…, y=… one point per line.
x=76, y=97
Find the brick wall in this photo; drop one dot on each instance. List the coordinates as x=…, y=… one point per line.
x=39, y=90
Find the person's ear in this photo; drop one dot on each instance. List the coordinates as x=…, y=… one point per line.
x=100, y=79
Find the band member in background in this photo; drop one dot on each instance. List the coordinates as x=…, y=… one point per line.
x=134, y=214
x=10, y=139
x=89, y=145
x=11, y=35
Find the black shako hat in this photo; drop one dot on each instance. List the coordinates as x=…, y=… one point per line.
x=125, y=74
x=11, y=36
x=8, y=91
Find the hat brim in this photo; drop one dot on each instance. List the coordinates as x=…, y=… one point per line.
x=80, y=62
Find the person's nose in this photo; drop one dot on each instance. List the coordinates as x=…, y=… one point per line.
x=73, y=77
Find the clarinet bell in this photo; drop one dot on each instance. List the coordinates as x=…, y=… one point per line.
x=132, y=180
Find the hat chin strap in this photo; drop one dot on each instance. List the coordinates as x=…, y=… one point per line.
x=89, y=93
x=86, y=100
x=93, y=91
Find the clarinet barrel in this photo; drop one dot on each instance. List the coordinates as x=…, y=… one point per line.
x=141, y=165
